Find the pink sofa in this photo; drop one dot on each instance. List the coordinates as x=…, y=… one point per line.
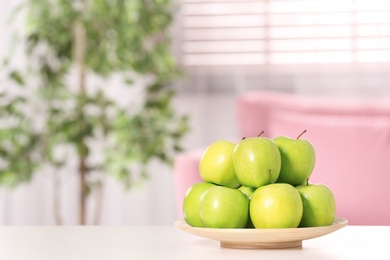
x=351, y=139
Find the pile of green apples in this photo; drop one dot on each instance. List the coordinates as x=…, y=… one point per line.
x=258, y=183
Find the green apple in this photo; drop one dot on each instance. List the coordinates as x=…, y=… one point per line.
x=223, y=207
x=298, y=159
x=257, y=161
x=277, y=205
x=216, y=164
x=319, y=206
x=248, y=191
x=191, y=203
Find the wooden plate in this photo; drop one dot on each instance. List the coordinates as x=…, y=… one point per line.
x=262, y=238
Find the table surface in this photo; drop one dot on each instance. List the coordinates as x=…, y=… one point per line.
x=168, y=242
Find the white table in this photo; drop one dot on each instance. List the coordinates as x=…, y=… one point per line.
x=167, y=242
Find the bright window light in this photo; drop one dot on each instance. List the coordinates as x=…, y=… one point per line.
x=310, y=32
x=218, y=34
x=311, y=57
x=311, y=45
x=223, y=21
x=223, y=8
x=223, y=46
x=224, y=59
x=373, y=56
x=234, y=32
x=310, y=6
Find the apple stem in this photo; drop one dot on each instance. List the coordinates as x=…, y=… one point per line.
x=304, y=131
x=262, y=132
x=307, y=182
x=270, y=176
x=243, y=138
x=238, y=185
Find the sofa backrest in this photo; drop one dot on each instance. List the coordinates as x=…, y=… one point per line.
x=255, y=108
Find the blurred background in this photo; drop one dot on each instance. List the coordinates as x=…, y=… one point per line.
x=206, y=51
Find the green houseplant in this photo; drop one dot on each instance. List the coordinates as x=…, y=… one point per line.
x=77, y=52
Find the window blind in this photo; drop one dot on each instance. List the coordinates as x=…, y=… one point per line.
x=233, y=32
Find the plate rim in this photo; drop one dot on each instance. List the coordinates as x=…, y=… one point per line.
x=266, y=235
